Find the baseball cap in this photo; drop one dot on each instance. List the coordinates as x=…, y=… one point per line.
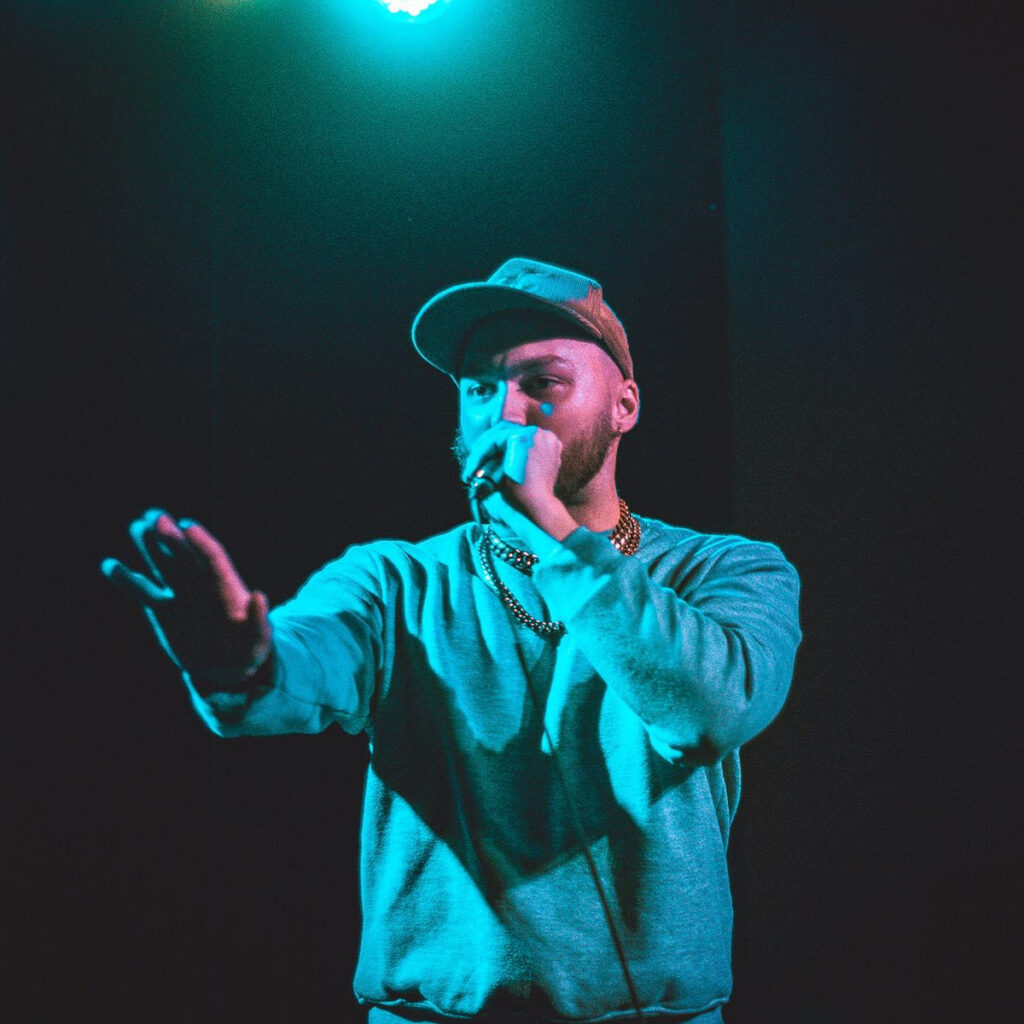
x=443, y=327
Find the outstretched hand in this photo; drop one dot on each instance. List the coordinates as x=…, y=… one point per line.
x=205, y=617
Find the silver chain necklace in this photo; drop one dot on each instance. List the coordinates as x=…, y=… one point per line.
x=625, y=537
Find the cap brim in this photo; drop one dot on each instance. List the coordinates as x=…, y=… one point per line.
x=441, y=329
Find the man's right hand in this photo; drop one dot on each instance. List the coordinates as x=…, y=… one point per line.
x=203, y=614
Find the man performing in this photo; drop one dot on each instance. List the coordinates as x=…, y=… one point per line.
x=555, y=692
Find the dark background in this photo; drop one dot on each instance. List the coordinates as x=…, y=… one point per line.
x=218, y=222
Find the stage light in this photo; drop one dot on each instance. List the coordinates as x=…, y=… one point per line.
x=412, y=10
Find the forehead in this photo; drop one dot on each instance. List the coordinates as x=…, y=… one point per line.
x=567, y=353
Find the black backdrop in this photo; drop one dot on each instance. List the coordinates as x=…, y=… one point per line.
x=219, y=220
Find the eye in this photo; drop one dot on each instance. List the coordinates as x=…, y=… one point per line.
x=542, y=384
x=480, y=390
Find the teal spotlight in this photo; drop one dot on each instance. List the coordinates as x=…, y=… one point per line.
x=411, y=10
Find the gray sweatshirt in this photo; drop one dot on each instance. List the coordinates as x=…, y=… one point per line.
x=476, y=895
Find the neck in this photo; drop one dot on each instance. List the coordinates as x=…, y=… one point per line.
x=596, y=506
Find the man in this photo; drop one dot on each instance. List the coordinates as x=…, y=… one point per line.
x=554, y=693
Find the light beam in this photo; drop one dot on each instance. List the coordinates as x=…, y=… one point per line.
x=412, y=10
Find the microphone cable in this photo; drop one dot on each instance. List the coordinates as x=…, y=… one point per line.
x=581, y=838
x=480, y=486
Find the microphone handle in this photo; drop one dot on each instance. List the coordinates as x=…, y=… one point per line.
x=481, y=485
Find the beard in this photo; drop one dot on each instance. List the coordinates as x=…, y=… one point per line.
x=582, y=457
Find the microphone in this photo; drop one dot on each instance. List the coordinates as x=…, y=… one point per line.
x=482, y=485
x=510, y=463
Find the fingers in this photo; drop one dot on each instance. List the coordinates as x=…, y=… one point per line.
x=517, y=451
x=158, y=555
x=259, y=606
x=485, y=449
x=163, y=546
x=138, y=532
x=183, y=558
x=231, y=587
x=134, y=584
x=206, y=619
x=501, y=452
x=208, y=547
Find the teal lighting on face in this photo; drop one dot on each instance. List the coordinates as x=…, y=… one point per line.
x=547, y=408
x=480, y=408
x=412, y=10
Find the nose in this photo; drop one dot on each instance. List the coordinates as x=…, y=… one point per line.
x=515, y=405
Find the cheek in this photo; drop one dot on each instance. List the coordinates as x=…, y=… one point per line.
x=572, y=415
x=567, y=407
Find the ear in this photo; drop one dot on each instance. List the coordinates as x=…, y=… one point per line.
x=627, y=407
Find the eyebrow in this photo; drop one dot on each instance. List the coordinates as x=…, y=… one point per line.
x=524, y=366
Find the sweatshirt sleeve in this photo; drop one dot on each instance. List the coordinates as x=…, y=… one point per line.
x=707, y=665
x=325, y=663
